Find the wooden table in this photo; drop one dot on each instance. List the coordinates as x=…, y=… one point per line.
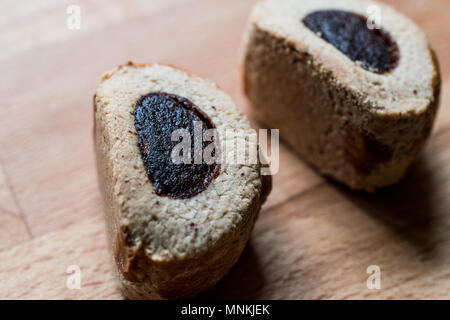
x=313, y=240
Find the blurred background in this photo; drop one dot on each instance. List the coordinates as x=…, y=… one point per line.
x=313, y=240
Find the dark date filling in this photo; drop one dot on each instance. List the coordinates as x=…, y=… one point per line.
x=157, y=116
x=348, y=32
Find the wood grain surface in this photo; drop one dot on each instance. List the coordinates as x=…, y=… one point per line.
x=314, y=239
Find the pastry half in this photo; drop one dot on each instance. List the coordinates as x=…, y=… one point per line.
x=175, y=229
x=352, y=85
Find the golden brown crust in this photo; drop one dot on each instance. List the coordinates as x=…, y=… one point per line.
x=437, y=80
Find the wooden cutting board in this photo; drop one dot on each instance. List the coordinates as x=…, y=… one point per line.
x=314, y=239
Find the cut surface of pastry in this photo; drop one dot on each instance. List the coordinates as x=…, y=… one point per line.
x=175, y=229
x=354, y=98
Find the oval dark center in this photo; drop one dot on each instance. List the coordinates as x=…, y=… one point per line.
x=157, y=116
x=348, y=32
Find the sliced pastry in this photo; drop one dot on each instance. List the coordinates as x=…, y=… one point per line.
x=176, y=225
x=352, y=85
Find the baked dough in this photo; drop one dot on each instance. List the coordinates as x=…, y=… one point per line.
x=165, y=247
x=361, y=127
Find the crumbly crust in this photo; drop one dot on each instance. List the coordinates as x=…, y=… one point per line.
x=164, y=247
x=361, y=128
